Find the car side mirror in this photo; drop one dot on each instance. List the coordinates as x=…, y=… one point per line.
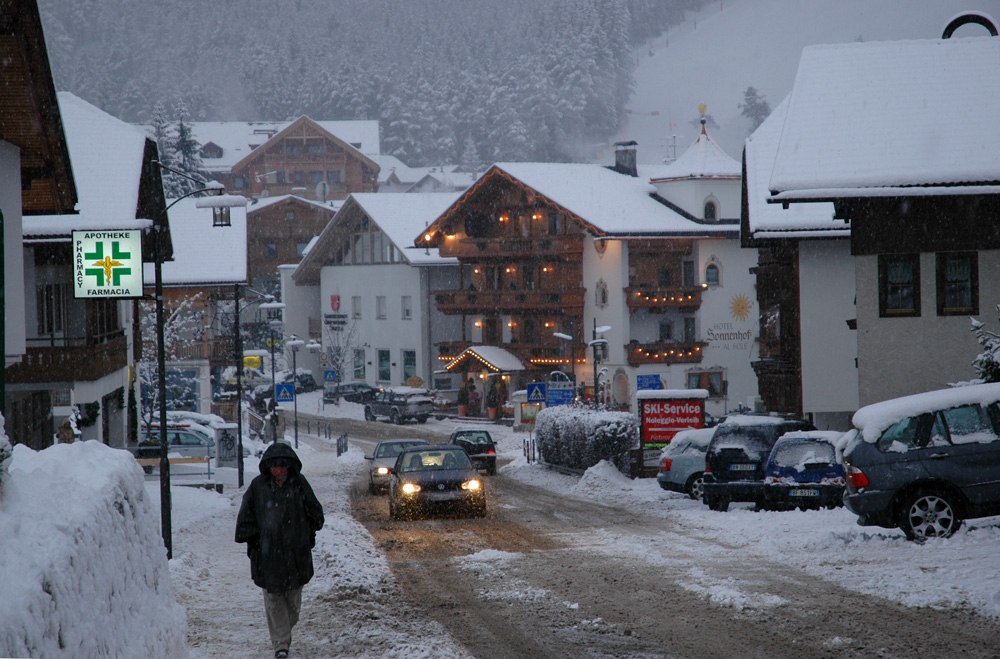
x=369, y=457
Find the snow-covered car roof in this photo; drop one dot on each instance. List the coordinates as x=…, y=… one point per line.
x=828, y=436
x=696, y=436
x=873, y=420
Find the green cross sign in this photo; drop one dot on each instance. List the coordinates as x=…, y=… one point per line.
x=107, y=264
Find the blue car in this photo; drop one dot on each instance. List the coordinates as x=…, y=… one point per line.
x=802, y=472
x=682, y=462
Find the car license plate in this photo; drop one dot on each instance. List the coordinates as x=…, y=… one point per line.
x=443, y=496
x=803, y=493
x=742, y=467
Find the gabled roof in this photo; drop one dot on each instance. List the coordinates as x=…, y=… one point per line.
x=113, y=173
x=493, y=358
x=703, y=159
x=604, y=202
x=260, y=204
x=29, y=113
x=764, y=220
x=237, y=137
x=399, y=216
x=892, y=118
x=298, y=123
x=204, y=255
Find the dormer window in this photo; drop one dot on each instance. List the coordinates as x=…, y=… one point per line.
x=711, y=211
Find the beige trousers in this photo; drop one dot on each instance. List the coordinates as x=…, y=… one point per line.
x=282, y=613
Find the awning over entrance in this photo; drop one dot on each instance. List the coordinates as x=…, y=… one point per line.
x=492, y=358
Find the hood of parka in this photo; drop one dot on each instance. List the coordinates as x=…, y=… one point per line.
x=280, y=450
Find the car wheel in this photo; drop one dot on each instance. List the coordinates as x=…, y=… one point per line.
x=695, y=486
x=395, y=417
x=720, y=504
x=369, y=416
x=929, y=513
x=421, y=419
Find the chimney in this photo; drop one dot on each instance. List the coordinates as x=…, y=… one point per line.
x=625, y=158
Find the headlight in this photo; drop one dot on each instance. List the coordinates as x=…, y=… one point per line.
x=382, y=471
x=411, y=488
x=470, y=485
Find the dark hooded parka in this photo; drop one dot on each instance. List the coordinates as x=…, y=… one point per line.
x=279, y=524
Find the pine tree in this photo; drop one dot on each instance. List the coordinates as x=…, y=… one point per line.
x=754, y=107
x=186, y=157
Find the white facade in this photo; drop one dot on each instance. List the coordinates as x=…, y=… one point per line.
x=691, y=196
x=829, y=345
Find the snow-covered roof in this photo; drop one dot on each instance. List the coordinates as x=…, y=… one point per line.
x=864, y=117
x=107, y=156
x=704, y=158
x=873, y=420
x=266, y=202
x=678, y=394
x=403, y=217
x=772, y=220
x=203, y=254
x=237, y=137
x=612, y=204
x=498, y=359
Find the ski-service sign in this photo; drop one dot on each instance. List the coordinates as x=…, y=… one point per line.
x=107, y=264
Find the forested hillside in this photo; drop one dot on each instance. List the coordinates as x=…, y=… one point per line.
x=462, y=81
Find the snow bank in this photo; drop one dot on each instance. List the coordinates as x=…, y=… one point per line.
x=84, y=571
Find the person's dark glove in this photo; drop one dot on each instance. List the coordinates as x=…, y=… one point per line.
x=253, y=546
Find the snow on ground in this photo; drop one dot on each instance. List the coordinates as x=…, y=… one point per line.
x=61, y=531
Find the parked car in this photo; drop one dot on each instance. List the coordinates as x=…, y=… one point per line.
x=925, y=462
x=802, y=472
x=352, y=392
x=430, y=478
x=736, y=455
x=400, y=405
x=682, y=462
x=382, y=459
x=181, y=441
x=480, y=447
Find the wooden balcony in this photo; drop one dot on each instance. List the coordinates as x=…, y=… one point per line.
x=558, y=300
x=535, y=353
x=649, y=297
x=664, y=353
x=215, y=350
x=69, y=360
x=566, y=248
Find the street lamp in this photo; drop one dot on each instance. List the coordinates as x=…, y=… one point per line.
x=295, y=343
x=226, y=202
x=598, y=346
x=571, y=337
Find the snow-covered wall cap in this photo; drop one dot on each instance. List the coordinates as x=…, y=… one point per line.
x=52, y=226
x=892, y=114
x=771, y=220
x=874, y=419
x=703, y=159
x=671, y=394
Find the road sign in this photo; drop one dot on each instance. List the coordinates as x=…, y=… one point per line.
x=330, y=376
x=284, y=393
x=536, y=392
x=324, y=357
x=648, y=381
x=559, y=393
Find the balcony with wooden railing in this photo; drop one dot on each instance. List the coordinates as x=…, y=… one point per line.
x=566, y=248
x=215, y=350
x=535, y=353
x=562, y=300
x=656, y=297
x=72, y=359
x=664, y=353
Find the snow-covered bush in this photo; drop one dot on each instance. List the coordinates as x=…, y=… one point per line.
x=580, y=437
x=986, y=363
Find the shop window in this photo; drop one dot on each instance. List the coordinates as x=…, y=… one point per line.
x=384, y=366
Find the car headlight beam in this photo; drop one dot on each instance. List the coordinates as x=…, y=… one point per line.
x=382, y=471
x=410, y=488
x=471, y=485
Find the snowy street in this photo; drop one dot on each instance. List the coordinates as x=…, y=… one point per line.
x=591, y=566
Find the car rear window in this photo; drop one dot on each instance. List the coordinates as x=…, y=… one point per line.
x=799, y=453
x=475, y=438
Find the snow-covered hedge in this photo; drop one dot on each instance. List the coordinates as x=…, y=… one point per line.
x=83, y=570
x=580, y=437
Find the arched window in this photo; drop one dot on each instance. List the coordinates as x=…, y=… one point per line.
x=711, y=211
x=712, y=274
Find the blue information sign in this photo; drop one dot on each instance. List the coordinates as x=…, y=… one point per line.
x=536, y=392
x=559, y=393
x=330, y=376
x=284, y=393
x=648, y=381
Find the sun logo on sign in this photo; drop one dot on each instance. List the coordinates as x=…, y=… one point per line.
x=739, y=307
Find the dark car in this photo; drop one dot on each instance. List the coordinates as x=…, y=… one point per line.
x=382, y=460
x=352, y=392
x=925, y=462
x=802, y=472
x=399, y=405
x=430, y=478
x=480, y=447
x=734, y=462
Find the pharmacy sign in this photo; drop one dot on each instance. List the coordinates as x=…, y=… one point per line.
x=107, y=264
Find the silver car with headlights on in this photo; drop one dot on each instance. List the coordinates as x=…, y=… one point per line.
x=382, y=459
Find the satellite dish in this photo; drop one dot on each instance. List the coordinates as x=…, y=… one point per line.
x=602, y=329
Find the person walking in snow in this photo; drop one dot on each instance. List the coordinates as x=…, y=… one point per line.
x=278, y=519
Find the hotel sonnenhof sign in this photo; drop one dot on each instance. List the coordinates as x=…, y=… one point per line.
x=107, y=264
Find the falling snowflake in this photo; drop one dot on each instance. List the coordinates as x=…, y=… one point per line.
x=739, y=307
